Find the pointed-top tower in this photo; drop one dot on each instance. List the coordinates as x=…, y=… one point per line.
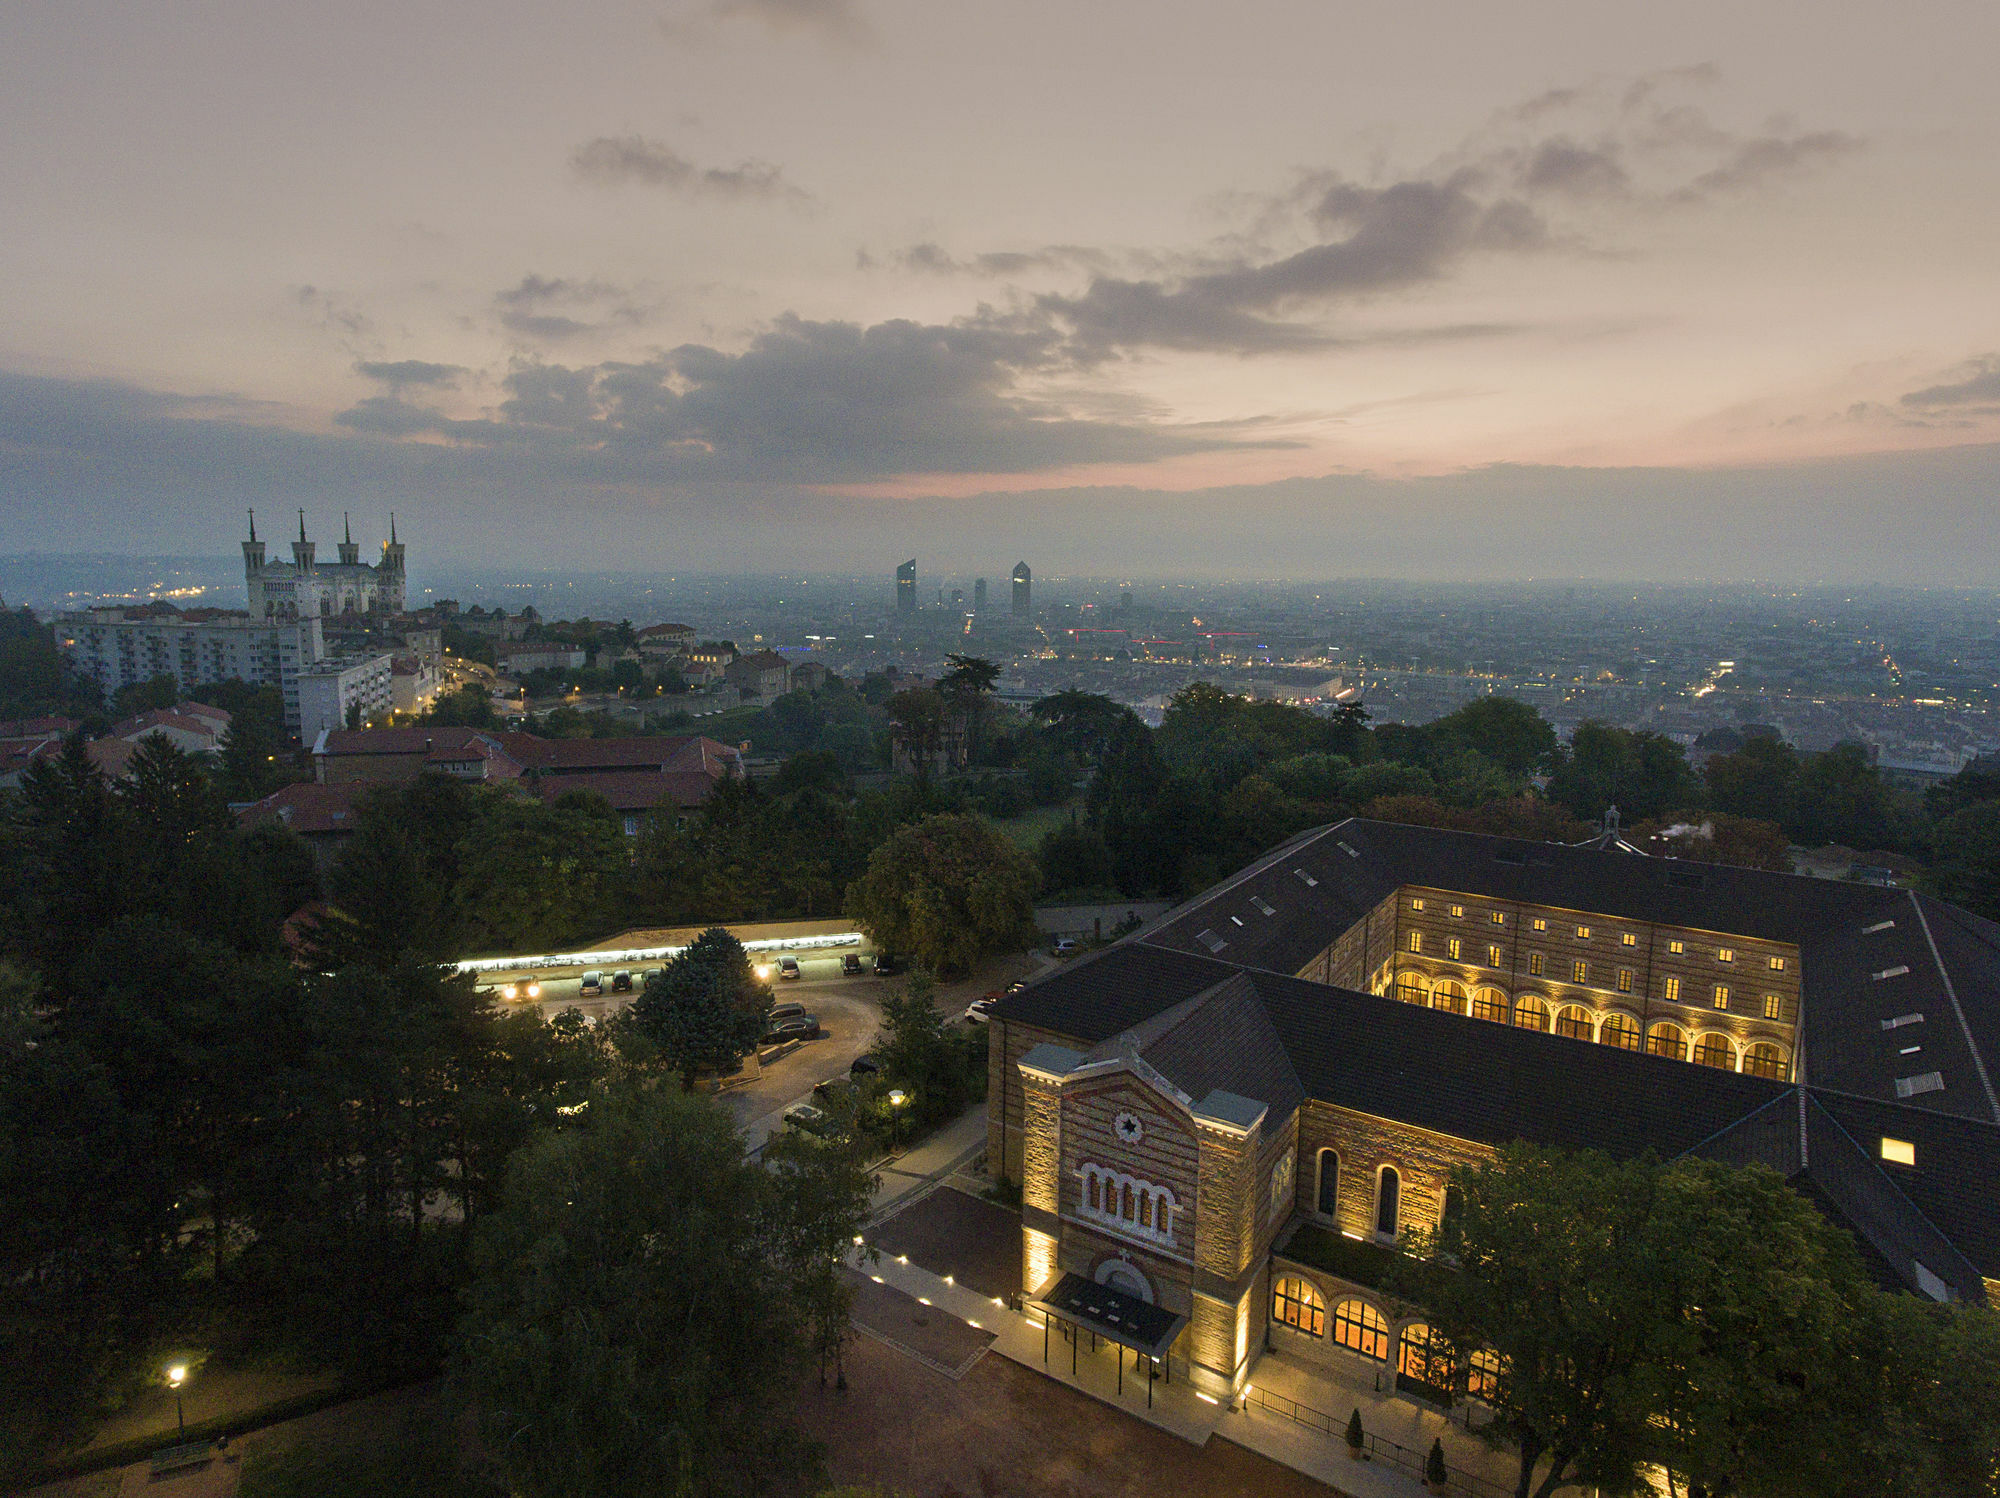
x=392, y=571
x=253, y=549
x=350, y=554
x=302, y=549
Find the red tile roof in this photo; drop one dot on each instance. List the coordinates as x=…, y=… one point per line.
x=307, y=808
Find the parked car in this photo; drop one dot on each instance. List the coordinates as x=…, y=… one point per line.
x=788, y=967
x=791, y=1027
x=785, y=1011
x=864, y=1066
x=649, y=975
x=850, y=964
x=521, y=988
x=592, y=984
x=979, y=1011
x=1062, y=946
x=885, y=964
x=809, y=1120
x=835, y=1090
x=621, y=981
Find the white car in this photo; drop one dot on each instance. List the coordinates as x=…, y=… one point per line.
x=979, y=1011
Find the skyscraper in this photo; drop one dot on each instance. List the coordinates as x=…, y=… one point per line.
x=906, y=587
x=1023, y=580
x=979, y=595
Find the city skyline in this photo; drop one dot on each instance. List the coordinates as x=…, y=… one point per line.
x=773, y=280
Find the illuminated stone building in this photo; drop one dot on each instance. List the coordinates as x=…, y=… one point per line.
x=1309, y=1047
x=306, y=587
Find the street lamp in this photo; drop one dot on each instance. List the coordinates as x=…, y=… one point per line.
x=897, y=1097
x=177, y=1376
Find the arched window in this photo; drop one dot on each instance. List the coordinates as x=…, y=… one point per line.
x=1411, y=989
x=1129, y=1213
x=1095, y=1185
x=1328, y=1191
x=1423, y=1357
x=1482, y=1374
x=1620, y=1030
x=1490, y=1003
x=1359, y=1327
x=1766, y=1060
x=1715, y=1050
x=1669, y=1041
x=1448, y=996
x=1294, y=1302
x=1388, y=1192
x=1573, y=1021
x=1454, y=1208
x=1531, y=1014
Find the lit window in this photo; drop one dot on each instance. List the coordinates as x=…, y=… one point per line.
x=1777, y=964
x=1765, y=1060
x=1416, y=904
x=1669, y=1041
x=1624, y=980
x=1629, y=939
x=1458, y=910
x=1583, y=933
x=1296, y=1303
x=1410, y=989
x=1677, y=947
x=1422, y=1357
x=1482, y=1377
x=1455, y=947
x=1359, y=1327
x=1772, y=1006
x=1722, y=995
x=1493, y=957
x=1673, y=990
x=1619, y=1030
x=1581, y=972
x=1491, y=1004
x=1715, y=1050
x=1531, y=1014
x=1898, y=1151
x=1541, y=925
x=1535, y=964
x=1416, y=941
x=1573, y=1023
x=1499, y=919
x=1448, y=996
x=1725, y=954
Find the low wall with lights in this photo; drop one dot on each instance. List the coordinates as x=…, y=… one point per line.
x=630, y=955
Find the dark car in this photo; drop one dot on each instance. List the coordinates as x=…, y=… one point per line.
x=850, y=964
x=835, y=1090
x=592, y=984
x=791, y=1027
x=810, y=1120
x=885, y=964
x=864, y=1066
x=621, y=981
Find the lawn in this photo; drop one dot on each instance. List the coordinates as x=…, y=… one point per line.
x=1028, y=830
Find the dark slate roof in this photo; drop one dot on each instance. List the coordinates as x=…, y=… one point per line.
x=1096, y=996
x=1221, y=1041
x=1282, y=911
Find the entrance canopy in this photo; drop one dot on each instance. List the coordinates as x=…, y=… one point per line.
x=1113, y=1315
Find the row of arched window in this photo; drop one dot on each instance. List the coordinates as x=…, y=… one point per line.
x=1388, y=1193
x=1128, y=1203
x=1362, y=1329
x=1761, y=1058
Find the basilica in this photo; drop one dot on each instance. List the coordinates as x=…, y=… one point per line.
x=1217, y=1121
x=306, y=587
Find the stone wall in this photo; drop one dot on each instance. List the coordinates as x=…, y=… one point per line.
x=1007, y=1043
x=1422, y=1159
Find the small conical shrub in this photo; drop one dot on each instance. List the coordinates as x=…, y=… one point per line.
x=1434, y=1472
x=1355, y=1440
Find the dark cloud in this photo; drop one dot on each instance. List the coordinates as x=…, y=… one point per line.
x=402, y=373
x=1753, y=163
x=1979, y=387
x=1563, y=166
x=546, y=308
x=635, y=160
x=805, y=402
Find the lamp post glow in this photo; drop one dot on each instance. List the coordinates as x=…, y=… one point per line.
x=897, y=1097
x=177, y=1376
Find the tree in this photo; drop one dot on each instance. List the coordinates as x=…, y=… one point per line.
x=1721, y=838
x=1074, y=858
x=471, y=706
x=1549, y=1264
x=1510, y=734
x=1842, y=799
x=704, y=1010
x=1642, y=773
x=966, y=688
x=948, y=891
x=917, y=718
x=1966, y=866
x=1760, y=780
x=1081, y=723
x=537, y=877
x=635, y=1322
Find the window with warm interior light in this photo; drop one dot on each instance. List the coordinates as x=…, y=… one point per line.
x=1574, y=1023
x=1667, y=1040
x=1490, y=1004
x=1534, y=964
x=1777, y=964
x=1580, y=972
x=1619, y=1030
x=1725, y=954
x=1540, y=924
x=1531, y=1014
x=1722, y=996
x=1716, y=1051
x=1359, y=1327
x=1499, y=919
x=1629, y=939
x=1583, y=933
x=1677, y=947
x=1765, y=1060
x=1493, y=957
x=1772, y=1006
x=1624, y=980
x=1898, y=1151
x=1448, y=996
x=1458, y=910
x=1416, y=941
x=1456, y=948
x=1296, y=1303
x=1416, y=904
x=1674, y=990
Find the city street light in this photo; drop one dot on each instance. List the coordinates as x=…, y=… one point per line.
x=177, y=1376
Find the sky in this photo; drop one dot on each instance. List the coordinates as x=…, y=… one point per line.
x=1280, y=287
